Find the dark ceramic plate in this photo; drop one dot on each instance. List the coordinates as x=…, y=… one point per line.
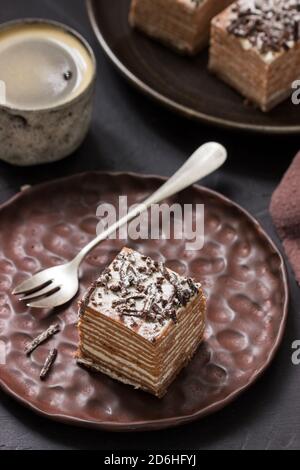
x=180, y=83
x=241, y=271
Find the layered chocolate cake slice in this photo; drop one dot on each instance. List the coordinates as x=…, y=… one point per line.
x=255, y=48
x=182, y=24
x=140, y=323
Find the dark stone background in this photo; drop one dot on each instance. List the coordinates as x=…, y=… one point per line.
x=131, y=133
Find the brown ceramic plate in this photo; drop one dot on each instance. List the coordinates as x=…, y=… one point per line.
x=180, y=83
x=241, y=270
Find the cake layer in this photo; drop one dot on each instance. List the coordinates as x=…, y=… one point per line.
x=227, y=60
x=171, y=354
x=138, y=379
x=140, y=322
x=102, y=342
x=158, y=388
x=181, y=24
x=109, y=340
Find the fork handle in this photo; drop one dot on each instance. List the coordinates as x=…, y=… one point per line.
x=204, y=161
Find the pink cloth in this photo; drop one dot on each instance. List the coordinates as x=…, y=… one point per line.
x=285, y=211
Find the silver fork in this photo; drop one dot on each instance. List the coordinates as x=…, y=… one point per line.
x=57, y=285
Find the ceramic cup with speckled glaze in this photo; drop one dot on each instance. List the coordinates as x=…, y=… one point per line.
x=47, y=81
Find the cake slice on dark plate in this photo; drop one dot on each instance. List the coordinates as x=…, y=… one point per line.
x=181, y=24
x=140, y=323
x=255, y=48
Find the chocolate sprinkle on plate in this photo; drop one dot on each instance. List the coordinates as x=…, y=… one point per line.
x=52, y=330
x=48, y=364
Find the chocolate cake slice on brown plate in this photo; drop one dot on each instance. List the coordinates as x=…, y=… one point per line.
x=181, y=24
x=140, y=323
x=255, y=48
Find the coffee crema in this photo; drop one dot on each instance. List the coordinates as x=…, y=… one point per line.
x=43, y=66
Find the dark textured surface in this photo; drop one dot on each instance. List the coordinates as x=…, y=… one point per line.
x=182, y=83
x=131, y=133
x=240, y=271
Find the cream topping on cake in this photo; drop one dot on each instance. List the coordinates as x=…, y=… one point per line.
x=269, y=26
x=144, y=295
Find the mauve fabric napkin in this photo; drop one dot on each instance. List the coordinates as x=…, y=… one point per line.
x=285, y=211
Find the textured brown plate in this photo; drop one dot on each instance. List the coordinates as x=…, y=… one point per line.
x=241, y=270
x=180, y=83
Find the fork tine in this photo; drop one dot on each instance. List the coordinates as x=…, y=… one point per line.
x=32, y=284
x=51, y=301
x=48, y=290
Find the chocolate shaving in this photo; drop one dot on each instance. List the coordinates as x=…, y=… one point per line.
x=117, y=303
x=136, y=297
x=149, y=301
x=192, y=286
x=131, y=276
x=142, y=269
x=158, y=311
x=127, y=304
x=86, y=299
x=173, y=315
x=115, y=287
x=52, y=330
x=123, y=272
x=269, y=25
x=48, y=364
x=131, y=313
x=140, y=279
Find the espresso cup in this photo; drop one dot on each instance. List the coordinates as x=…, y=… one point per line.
x=47, y=81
